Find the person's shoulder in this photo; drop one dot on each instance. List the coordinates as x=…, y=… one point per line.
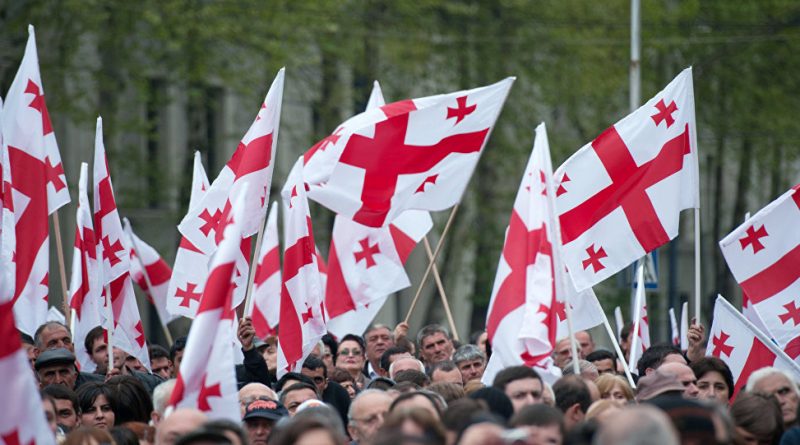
x=791, y=436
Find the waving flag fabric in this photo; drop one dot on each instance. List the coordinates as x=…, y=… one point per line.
x=764, y=257
x=412, y=154
x=620, y=196
x=38, y=186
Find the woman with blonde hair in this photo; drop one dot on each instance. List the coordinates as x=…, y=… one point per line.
x=615, y=388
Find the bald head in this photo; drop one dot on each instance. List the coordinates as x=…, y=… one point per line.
x=637, y=425
x=254, y=391
x=175, y=425
x=685, y=375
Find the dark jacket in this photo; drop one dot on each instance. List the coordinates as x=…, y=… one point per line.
x=253, y=370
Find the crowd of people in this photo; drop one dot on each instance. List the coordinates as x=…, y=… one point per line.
x=386, y=388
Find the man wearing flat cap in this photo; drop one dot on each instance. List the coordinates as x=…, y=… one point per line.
x=57, y=367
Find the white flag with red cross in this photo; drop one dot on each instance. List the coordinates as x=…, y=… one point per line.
x=157, y=270
x=206, y=379
x=266, y=297
x=252, y=163
x=125, y=321
x=23, y=420
x=366, y=264
x=8, y=238
x=620, y=196
x=38, y=186
x=190, y=269
x=525, y=310
x=764, y=257
x=674, y=330
x=361, y=277
x=302, y=311
x=743, y=347
x=412, y=154
x=85, y=289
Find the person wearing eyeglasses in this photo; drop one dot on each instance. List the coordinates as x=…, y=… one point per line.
x=350, y=357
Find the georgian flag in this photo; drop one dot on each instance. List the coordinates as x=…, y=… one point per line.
x=528, y=299
x=743, y=347
x=266, y=299
x=620, y=196
x=302, y=319
x=37, y=186
x=764, y=257
x=366, y=264
x=190, y=269
x=157, y=270
x=206, y=379
x=643, y=335
x=252, y=163
x=123, y=320
x=23, y=420
x=85, y=289
x=412, y=154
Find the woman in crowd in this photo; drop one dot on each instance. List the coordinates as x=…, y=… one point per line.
x=98, y=405
x=757, y=419
x=615, y=388
x=714, y=379
x=350, y=357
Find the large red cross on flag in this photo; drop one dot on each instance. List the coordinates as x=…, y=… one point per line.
x=302, y=319
x=252, y=163
x=526, y=310
x=620, y=196
x=37, y=186
x=412, y=154
x=23, y=421
x=157, y=270
x=742, y=346
x=85, y=289
x=206, y=379
x=265, y=309
x=365, y=264
x=764, y=257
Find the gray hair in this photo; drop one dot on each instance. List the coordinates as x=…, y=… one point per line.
x=37, y=336
x=361, y=395
x=429, y=330
x=637, y=425
x=161, y=395
x=582, y=364
x=468, y=352
x=763, y=373
x=419, y=364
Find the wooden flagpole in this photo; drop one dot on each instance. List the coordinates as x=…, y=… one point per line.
x=637, y=309
x=147, y=281
x=62, y=271
x=431, y=262
x=440, y=287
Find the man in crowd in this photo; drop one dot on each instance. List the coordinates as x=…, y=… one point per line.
x=604, y=361
x=66, y=404
x=297, y=393
x=445, y=372
x=471, y=362
x=573, y=399
x=175, y=425
x=331, y=392
x=390, y=356
x=773, y=381
x=160, y=362
x=366, y=415
x=259, y=418
x=378, y=338
x=435, y=344
x=685, y=375
x=521, y=384
x=405, y=363
x=57, y=367
x=585, y=343
x=562, y=352
x=656, y=356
